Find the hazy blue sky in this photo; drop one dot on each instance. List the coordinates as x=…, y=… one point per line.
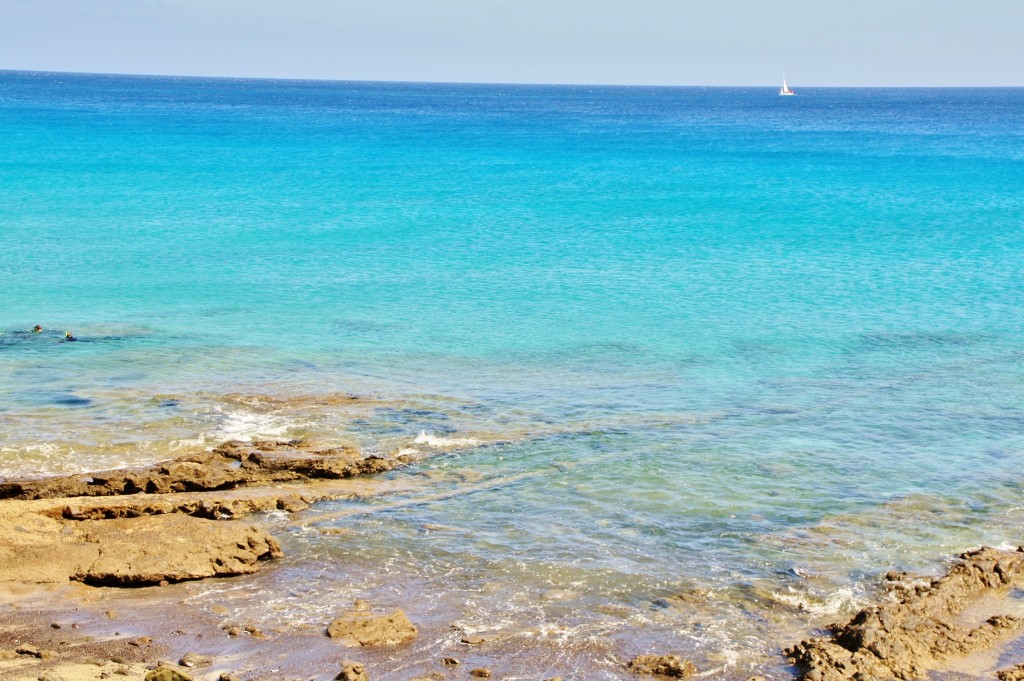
x=685, y=42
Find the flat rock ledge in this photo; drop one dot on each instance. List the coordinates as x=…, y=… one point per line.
x=231, y=465
x=171, y=522
x=919, y=630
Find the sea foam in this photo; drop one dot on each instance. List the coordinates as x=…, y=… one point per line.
x=442, y=442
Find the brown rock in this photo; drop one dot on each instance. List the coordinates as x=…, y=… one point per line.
x=472, y=640
x=481, y=673
x=1015, y=673
x=228, y=677
x=126, y=527
x=130, y=551
x=232, y=464
x=27, y=649
x=149, y=549
x=352, y=671
x=195, y=660
x=255, y=632
x=140, y=641
x=167, y=674
x=361, y=628
x=664, y=665
x=907, y=638
x=449, y=661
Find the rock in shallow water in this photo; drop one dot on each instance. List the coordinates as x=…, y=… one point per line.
x=361, y=628
x=1015, y=673
x=153, y=549
x=195, y=660
x=907, y=638
x=145, y=526
x=352, y=671
x=664, y=665
x=167, y=674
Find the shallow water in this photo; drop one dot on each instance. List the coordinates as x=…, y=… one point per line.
x=696, y=364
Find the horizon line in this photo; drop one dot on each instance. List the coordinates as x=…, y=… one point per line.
x=495, y=83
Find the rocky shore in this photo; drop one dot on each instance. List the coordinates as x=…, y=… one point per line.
x=185, y=520
x=171, y=522
x=928, y=623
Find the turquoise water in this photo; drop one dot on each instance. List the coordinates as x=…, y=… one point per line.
x=665, y=340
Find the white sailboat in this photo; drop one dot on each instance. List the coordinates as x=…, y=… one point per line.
x=785, y=91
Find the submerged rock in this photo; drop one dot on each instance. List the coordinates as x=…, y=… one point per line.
x=664, y=665
x=362, y=628
x=907, y=638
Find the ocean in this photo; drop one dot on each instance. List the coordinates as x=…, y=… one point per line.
x=694, y=366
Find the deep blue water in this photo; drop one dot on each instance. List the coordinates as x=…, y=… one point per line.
x=707, y=335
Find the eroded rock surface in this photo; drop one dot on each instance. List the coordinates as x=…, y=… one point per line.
x=907, y=638
x=148, y=550
x=232, y=464
x=663, y=665
x=169, y=522
x=352, y=671
x=1015, y=673
x=136, y=551
x=362, y=628
x=167, y=674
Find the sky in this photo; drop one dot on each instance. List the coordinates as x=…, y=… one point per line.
x=649, y=42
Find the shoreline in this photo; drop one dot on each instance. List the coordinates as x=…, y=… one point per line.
x=57, y=583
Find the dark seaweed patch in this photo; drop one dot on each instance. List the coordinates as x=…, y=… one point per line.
x=71, y=401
